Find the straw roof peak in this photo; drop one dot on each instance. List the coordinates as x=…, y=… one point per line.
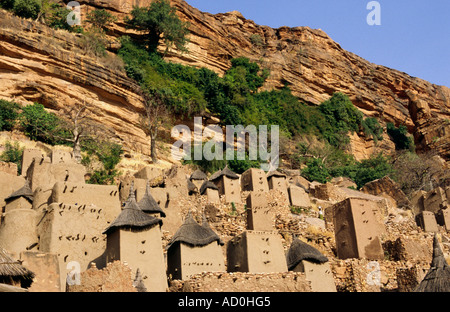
x=25, y=191
x=224, y=172
x=148, y=203
x=207, y=185
x=300, y=251
x=132, y=216
x=194, y=234
x=198, y=175
x=437, y=278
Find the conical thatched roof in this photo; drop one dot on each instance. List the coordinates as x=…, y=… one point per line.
x=207, y=185
x=300, y=251
x=132, y=216
x=25, y=192
x=194, y=234
x=198, y=175
x=224, y=172
x=438, y=277
x=148, y=204
x=12, y=269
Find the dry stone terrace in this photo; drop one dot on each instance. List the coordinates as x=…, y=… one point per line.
x=233, y=234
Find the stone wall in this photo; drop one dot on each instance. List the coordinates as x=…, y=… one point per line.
x=243, y=282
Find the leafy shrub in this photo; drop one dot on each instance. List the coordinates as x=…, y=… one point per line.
x=374, y=168
x=27, y=8
x=240, y=166
x=256, y=40
x=94, y=43
x=57, y=18
x=316, y=171
x=9, y=113
x=13, y=153
x=157, y=19
x=100, y=19
x=40, y=125
x=342, y=116
x=7, y=4
x=108, y=153
x=400, y=137
x=372, y=128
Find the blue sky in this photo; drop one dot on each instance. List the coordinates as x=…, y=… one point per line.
x=414, y=35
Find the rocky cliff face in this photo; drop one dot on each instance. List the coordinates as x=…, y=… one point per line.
x=39, y=64
x=308, y=60
x=315, y=67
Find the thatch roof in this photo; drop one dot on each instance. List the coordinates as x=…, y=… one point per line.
x=438, y=277
x=276, y=174
x=194, y=234
x=300, y=251
x=224, y=172
x=132, y=216
x=148, y=204
x=25, y=191
x=207, y=185
x=198, y=175
x=13, y=269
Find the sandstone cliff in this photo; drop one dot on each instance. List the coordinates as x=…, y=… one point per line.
x=308, y=60
x=39, y=64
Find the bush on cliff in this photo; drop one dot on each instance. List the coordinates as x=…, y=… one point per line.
x=9, y=113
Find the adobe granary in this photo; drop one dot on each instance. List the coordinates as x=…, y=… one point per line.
x=193, y=249
x=149, y=205
x=302, y=257
x=254, y=179
x=427, y=221
x=43, y=173
x=358, y=229
x=438, y=277
x=211, y=191
x=12, y=272
x=135, y=237
x=228, y=183
x=256, y=252
x=197, y=178
x=260, y=216
x=298, y=197
x=18, y=225
x=277, y=181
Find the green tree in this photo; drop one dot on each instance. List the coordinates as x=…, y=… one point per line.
x=40, y=125
x=57, y=17
x=27, y=8
x=372, y=128
x=100, y=19
x=159, y=21
x=7, y=4
x=376, y=167
x=342, y=116
x=13, y=153
x=400, y=137
x=109, y=154
x=9, y=113
x=316, y=171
